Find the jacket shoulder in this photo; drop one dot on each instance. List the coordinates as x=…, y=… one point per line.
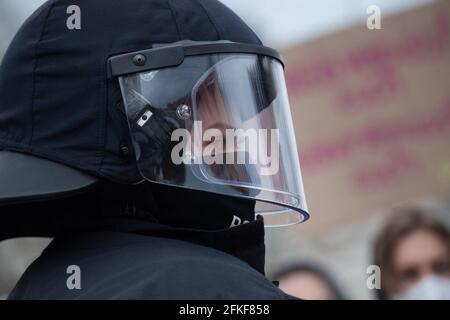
x=129, y=267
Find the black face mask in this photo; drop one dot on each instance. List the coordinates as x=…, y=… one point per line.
x=174, y=207
x=200, y=210
x=191, y=216
x=147, y=209
x=107, y=202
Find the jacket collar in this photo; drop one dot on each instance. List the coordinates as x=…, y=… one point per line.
x=246, y=241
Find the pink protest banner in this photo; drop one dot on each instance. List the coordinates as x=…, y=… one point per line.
x=372, y=114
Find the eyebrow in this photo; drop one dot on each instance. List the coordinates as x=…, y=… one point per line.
x=221, y=126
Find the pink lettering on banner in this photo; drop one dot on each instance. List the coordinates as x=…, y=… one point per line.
x=382, y=60
x=375, y=136
x=386, y=84
x=398, y=165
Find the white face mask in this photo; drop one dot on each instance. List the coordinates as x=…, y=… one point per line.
x=430, y=288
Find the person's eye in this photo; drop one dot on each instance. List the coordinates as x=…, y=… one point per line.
x=441, y=267
x=209, y=87
x=409, y=274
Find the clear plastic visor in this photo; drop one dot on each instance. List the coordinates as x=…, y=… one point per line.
x=219, y=123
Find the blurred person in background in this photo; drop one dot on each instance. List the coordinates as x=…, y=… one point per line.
x=413, y=252
x=308, y=281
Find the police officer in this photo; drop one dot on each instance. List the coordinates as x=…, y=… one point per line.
x=153, y=140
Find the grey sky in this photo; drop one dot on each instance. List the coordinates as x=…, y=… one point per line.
x=280, y=23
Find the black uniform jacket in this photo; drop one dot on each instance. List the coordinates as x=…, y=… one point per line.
x=152, y=262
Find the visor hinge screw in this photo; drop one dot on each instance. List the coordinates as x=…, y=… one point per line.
x=139, y=60
x=184, y=112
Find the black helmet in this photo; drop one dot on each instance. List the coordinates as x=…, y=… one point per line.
x=71, y=98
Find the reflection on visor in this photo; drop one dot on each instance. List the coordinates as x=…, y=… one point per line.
x=220, y=172
x=216, y=91
x=218, y=123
